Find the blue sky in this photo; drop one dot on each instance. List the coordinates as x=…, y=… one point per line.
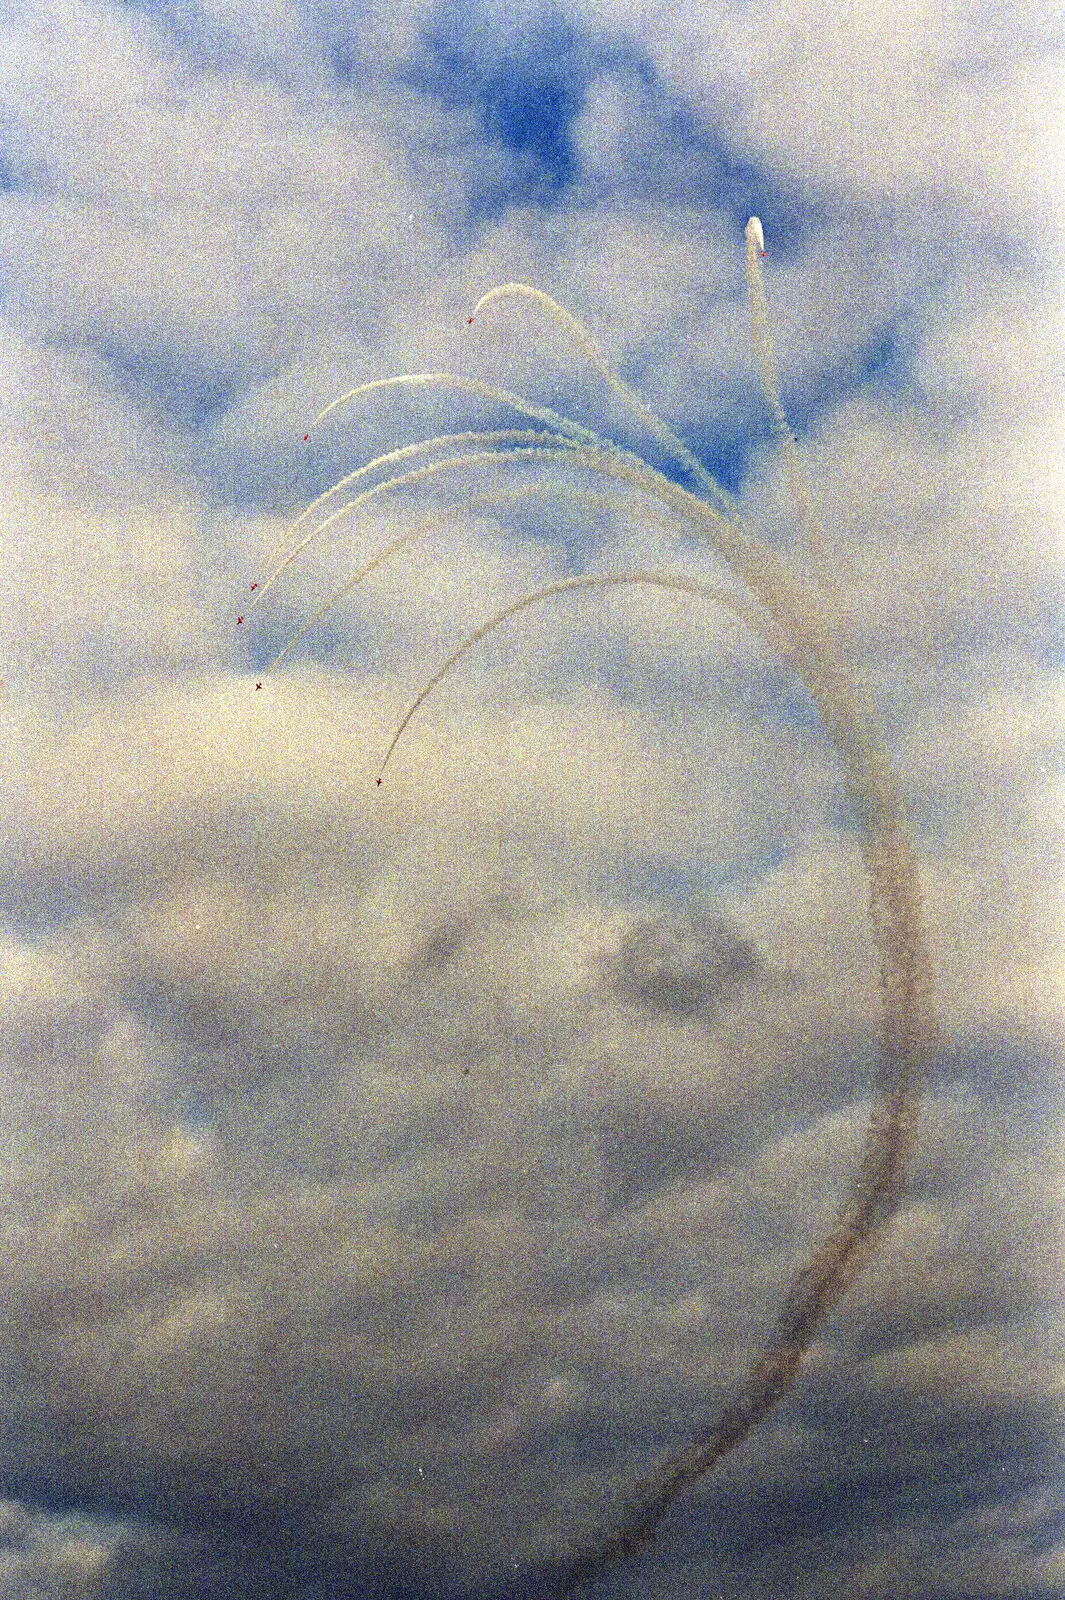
x=393, y=1174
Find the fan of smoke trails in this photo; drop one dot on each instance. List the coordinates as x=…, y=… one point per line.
x=798, y=620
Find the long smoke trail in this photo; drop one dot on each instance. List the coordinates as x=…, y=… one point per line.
x=909, y=1027
x=500, y=436
x=737, y=603
x=909, y=1031
x=795, y=618
x=590, y=347
x=797, y=629
x=802, y=500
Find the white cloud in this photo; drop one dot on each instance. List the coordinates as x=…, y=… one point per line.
x=886, y=104
x=407, y=1155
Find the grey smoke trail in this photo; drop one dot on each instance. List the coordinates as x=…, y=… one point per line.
x=909, y=1037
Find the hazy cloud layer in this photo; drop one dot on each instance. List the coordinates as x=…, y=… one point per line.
x=391, y=1174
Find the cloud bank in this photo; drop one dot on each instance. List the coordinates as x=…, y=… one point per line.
x=391, y=1176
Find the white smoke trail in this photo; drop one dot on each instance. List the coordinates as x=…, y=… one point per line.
x=802, y=499
x=794, y=617
x=489, y=499
x=591, y=348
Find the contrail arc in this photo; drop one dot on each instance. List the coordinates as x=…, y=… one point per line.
x=797, y=618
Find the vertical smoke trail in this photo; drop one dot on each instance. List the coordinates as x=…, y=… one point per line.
x=809, y=525
x=909, y=1037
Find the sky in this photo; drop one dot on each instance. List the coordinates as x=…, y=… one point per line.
x=392, y=1174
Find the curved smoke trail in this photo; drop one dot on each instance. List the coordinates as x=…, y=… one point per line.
x=796, y=617
x=909, y=1025
x=798, y=631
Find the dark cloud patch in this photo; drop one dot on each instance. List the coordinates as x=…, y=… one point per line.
x=9, y=177
x=640, y=1146
x=688, y=964
x=443, y=942
x=53, y=1550
x=860, y=1491
x=113, y=1546
x=183, y=392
